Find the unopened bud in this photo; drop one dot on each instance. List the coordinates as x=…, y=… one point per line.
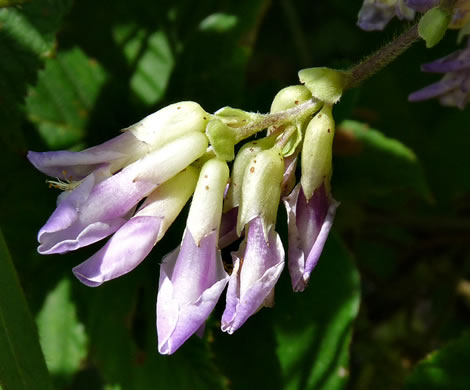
x=290, y=97
x=433, y=25
x=317, y=151
x=170, y=123
x=206, y=208
x=261, y=189
x=244, y=156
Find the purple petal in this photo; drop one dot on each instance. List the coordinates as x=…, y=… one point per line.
x=421, y=5
x=68, y=165
x=436, y=89
x=92, y=211
x=104, y=209
x=257, y=267
x=459, y=97
x=309, y=225
x=191, y=281
x=375, y=16
x=458, y=60
x=228, y=228
x=126, y=249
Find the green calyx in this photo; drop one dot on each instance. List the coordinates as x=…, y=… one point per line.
x=325, y=84
x=433, y=25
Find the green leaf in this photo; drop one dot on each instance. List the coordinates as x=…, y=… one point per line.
x=27, y=36
x=367, y=164
x=22, y=365
x=123, y=341
x=446, y=368
x=62, y=336
x=61, y=103
x=313, y=329
x=214, y=55
x=150, y=56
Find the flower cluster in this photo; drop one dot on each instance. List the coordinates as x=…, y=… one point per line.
x=134, y=186
x=454, y=88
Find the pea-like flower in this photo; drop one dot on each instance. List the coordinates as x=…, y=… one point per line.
x=260, y=259
x=375, y=14
x=454, y=88
x=310, y=207
x=105, y=183
x=192, y=277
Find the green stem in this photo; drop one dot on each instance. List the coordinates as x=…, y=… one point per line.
x=381, y=58
x=278, y=118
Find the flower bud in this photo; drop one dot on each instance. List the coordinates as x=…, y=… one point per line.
x=206, y=207
x=290, y=97
x=162, y=164
x=317, y=151
x=170, y=123
x=433, y=25
x=244, y=155
x=261, y=189
x=325, y=84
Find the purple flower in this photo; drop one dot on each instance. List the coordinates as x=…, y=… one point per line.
x=100, y=204
x=375, y=14
x=257, y=267
x=309, y=224
x=192, y=277
x=260, y=258
x=310, y=207
x=150, y=133
x=134, y=240
x=454, y=88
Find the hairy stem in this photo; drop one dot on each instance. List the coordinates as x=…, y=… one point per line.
x=278, y=118
x=382, y=57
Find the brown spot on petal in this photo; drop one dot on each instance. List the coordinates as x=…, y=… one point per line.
x=296, y=102
x=252, y=169
x=207, y=187
x=178, y=108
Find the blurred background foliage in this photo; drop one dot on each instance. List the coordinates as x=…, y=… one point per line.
x=73, y=73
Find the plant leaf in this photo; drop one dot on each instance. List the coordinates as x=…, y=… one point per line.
x=22, y=365
x=62, y=101
x=62, y=336
x=369, y=165
x=313, y=329
x=446, y=368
